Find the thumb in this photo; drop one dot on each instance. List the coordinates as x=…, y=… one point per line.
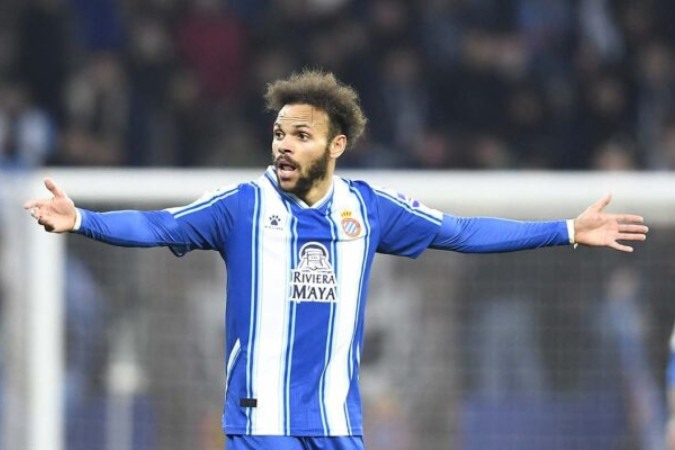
x=54, y=189
x=604, y=201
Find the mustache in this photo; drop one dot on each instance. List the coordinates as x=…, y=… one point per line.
x=285, y=159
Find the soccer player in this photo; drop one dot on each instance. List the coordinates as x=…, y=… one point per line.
x=298, y=244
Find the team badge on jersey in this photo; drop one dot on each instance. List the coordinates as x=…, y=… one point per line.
x=350, y=225
x=314, y=279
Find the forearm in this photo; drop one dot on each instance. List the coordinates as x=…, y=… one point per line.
x=130, y=228
x=494, y=235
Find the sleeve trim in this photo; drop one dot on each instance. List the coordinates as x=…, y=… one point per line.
x=570, y=231
x=78, y=220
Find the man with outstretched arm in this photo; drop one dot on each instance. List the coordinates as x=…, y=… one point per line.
x=298, y=244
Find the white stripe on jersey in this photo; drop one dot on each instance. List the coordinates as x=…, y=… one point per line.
x=412, y=205
x=291, y=332
x=276, y=256
x=204, y=201
x=350, y=260
x=255, y=307
x=234, y=355
x=269, y=377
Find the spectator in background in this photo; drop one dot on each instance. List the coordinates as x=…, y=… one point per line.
x=42, y=52
x=97, y=101
x=490, y=152
x=403, y=99
x=665, y=146
x=151, y=64
x=598, y=29
x=442, y=28
x=188, y=130
x=606, y=108
x=528, y=129
x=99, y=24
x=27, y=134
x=616, y=154
x=622, y=321
x=212, y=42
x=547, y=28
x=85, y=310
x=560, y=76
x=655, y=97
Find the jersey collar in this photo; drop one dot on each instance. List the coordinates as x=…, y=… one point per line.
x=271, y=176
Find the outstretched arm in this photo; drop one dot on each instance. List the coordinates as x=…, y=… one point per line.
x=596, y=228
x=593, y=227
x=57, y=214
x=198, y=228
x=126, y=228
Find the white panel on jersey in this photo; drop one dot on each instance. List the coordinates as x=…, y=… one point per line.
x=351, y=257
x=272, y=323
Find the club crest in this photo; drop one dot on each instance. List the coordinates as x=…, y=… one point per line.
x=350, y=225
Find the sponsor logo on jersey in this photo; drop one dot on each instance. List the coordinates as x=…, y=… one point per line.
x=350, y=225
x=314, y=279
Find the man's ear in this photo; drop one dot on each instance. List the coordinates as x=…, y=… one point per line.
x=338, y=145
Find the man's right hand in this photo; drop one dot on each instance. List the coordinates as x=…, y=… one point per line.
x=57, y=214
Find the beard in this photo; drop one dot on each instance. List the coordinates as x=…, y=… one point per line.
x=314, y=172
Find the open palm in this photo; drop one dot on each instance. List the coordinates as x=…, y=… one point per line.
x=596, y=228
x=56, y=214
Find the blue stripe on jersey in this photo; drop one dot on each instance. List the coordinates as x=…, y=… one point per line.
x=311, y=330
x=399, y=201
x=201, y=203
x=255, y=303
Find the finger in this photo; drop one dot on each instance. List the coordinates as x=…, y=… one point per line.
x=34, y=204
x=629, y=218
x=54, y=188
x=630, y=228
x=621, y=247
x=604, y=201
x=631, y=237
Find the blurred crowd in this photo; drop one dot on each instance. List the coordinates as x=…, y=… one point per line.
x=466, y=84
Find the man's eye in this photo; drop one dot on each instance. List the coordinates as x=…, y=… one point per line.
x=278, y=135
x=303, y=136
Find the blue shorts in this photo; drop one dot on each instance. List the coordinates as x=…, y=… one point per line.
x=244, y=442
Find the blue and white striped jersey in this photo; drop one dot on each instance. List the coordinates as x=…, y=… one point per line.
x=296, y=292
x=297, y=282
x=297, y=279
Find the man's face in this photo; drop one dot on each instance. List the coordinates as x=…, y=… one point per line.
x=300, y=149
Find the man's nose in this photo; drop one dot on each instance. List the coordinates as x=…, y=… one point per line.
x=284, y=146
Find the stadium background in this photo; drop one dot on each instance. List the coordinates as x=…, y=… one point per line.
x=515, y=351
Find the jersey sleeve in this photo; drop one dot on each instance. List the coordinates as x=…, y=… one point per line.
x=203, y=224
x=407, y=226
x=495, y=235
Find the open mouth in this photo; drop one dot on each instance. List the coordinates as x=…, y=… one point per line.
x=285, y=166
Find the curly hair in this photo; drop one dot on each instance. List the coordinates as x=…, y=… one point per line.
x=322, y=91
